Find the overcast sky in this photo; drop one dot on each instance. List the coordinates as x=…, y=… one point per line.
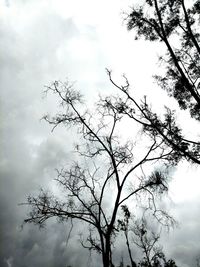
x=47, y=40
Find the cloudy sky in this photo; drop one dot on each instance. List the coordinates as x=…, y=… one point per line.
x=47, y=40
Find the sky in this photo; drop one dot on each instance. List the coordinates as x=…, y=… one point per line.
x=47, y=40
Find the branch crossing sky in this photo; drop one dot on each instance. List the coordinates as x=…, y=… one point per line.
x=47, y=40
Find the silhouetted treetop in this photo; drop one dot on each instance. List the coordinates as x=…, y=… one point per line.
x=176, y=25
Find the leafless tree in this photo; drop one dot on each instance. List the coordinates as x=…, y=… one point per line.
x=108, y=172
x=147, y=241
x=140, y=232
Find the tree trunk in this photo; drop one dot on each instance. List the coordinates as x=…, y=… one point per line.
x=106, y=259
x=107, y=254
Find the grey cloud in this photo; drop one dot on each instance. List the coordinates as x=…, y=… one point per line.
x=183, y=243
x=18, y=179
x=29, y=59
x=28, y=154
x=29, y=151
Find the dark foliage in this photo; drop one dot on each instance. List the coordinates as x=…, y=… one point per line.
x=175, y=25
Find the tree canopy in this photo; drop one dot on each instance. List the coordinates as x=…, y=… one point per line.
x=176, y=25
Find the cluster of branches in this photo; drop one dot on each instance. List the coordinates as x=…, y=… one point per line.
x=175, y=25
x=140, y=233
x=88, y=183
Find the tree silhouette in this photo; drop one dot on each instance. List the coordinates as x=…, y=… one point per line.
x=95, y=186
x=139, y=232
x=123, y=225
x=176, y=25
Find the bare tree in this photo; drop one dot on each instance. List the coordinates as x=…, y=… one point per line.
x=95, y=186
x=141, y=233
x=147, y=241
